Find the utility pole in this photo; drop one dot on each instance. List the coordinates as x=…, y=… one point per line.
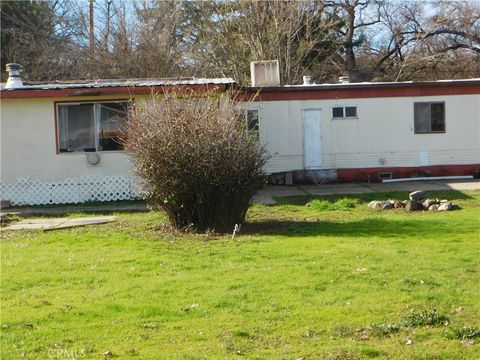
x=92, y=38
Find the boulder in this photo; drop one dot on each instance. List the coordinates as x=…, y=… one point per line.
x=398, y=204
x=429, y=202
x=387, y=205
x=413, y=206
x=418, y=195
x=445, y=206
x=375, y=204
x=433, y=207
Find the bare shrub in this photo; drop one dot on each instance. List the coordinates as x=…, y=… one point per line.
x=197, y=160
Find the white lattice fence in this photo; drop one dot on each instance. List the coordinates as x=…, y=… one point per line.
x=71, y=191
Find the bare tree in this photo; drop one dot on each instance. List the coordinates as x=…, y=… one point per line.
x=228, y=35
x=421, y=45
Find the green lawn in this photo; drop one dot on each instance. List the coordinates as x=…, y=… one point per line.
x=312, y=282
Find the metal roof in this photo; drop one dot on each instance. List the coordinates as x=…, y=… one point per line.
x=367, y=85
x=102, y=83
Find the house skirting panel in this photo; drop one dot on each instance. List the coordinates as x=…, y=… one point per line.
x=82, y=189
x=371, y=174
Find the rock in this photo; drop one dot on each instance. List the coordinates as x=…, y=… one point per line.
x=445, y=206
x=443, y=201
x=448, y=206
x=398, y=204
x=413, y=206
x=375, y=204
x=387, y=205
x=391, y=201
x=418, y=195
x=429, y=202
x=404, y=202
x=433, y=207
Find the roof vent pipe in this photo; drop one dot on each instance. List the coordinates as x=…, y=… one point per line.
x=344, y=79
x=14, y=80
x=307, y=80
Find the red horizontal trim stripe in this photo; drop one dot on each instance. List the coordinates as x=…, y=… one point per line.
x=371, y=174
x=358, y=93
x=114, y=90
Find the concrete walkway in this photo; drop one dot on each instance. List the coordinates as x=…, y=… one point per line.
x=265, y=196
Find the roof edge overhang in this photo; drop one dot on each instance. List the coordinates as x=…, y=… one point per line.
x=112, y=90
x=363, y=90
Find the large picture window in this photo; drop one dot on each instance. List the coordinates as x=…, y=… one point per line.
x=91, y=126
x=429, y=117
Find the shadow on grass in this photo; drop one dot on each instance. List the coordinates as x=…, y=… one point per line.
x=359, y=228
x=367, y=197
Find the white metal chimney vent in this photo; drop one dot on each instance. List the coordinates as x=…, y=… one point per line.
x=265, y=73
x=14, y=80
x=307, y=80
x=344, y=79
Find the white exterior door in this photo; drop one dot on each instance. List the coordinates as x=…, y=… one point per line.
x=312, y=138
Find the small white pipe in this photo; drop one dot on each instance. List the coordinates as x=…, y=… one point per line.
x=429, y=178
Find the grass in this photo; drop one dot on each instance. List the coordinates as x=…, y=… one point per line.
x=341, y=282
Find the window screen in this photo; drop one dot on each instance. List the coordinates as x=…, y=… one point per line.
x=429, y=117
x=91, y=126
x=337, y=112
x=76, y=128
x=350, y=111
x=343, y=112
x=252, y=120
x=112, y=118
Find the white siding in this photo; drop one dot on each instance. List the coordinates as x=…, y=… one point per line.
x=382, y=135
x=28, y=146
x=383, y=130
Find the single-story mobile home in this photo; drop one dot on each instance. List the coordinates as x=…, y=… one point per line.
x=59, y=141
x=370, y=131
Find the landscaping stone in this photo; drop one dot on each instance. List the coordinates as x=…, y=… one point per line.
x=429, y=202
x=387, y=205
x=413, y=206
x=448, y=206
x=375, y=204
x=418, y=195
x=445, y=206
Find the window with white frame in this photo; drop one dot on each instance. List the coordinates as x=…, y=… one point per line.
x=344, y=112
x=429, y=117
x=91, y=126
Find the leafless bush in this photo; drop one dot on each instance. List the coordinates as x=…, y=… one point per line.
x=197, y=161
